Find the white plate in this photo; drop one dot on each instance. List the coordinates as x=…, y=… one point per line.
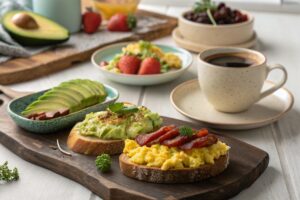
x=189, y=100
x=107, y=53
x=191, y=46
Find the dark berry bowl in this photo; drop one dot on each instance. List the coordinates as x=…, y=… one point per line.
x=224, y=34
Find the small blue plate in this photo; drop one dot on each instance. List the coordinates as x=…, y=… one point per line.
x=16, y=106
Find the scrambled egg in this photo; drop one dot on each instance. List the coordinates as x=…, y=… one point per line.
x=172, y=60
x=173, y=158
x=141, y=48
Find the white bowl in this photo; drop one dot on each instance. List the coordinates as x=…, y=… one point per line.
x=107, y=53
x=207, y=34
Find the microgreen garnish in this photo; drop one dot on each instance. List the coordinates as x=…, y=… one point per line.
x=146, y=50
x=120, y=108
x=203, y=5
x=164, y=68
x=103, y=162
x=206, y=6
x=186, y=131
x=7, y=174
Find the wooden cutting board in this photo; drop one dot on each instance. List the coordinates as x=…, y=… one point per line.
x=80, y=48
x=247, y=163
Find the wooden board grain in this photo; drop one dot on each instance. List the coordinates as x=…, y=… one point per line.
x=62, y=57
x=247, y=163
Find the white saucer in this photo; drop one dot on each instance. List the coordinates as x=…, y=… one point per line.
x=191, y=46
x=188, y=99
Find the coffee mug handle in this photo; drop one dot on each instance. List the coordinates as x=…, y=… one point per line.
x=277, y=85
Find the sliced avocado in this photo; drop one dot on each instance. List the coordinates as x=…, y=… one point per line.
x=36, y=111
x=98, y=89
x=43, y=106
x=56, y=97
x=62, y=94
x=89, y=97
x=99, y=86
x=71, y=96
x=86, y=84
x=70, y=92
x=43, y=31
x=46, y=103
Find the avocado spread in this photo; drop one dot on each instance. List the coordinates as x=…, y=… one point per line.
x=110, y=125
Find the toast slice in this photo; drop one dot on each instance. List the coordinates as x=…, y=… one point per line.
x=156, y=175
x=92, y=145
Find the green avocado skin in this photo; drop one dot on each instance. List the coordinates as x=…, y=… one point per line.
x=34, y=42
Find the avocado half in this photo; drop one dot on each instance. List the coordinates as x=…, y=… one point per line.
x=47, y=33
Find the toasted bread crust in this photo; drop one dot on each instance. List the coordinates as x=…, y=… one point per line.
x=156, y=175
x=92, y=145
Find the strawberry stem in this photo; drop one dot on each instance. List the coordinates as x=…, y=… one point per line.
x=131, y=21
x=89, y=9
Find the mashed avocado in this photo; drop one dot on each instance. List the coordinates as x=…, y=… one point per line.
x=110, y=125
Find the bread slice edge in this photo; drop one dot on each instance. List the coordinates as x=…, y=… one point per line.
x=93, y=146
x=156, y=175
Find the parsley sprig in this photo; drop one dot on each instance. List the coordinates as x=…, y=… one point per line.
x=7, y=174
x=186, y=131
x=121, y=108
x=103, y=162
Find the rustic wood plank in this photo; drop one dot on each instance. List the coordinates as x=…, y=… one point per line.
x=245, y=166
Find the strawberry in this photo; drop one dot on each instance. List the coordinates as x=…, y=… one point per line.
x=149, y=66
x=129, y=64
x=121, y=22
x=91, y=21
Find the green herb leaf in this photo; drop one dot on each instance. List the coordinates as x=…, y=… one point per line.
x=164, y=68
x=126, y=110
x=103, y=162
x=115, y=107
x=120, y=108
x=7, y=174
x=204, y=5
x=186, y=131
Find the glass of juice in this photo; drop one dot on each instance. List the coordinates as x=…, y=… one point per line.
x=108, y=8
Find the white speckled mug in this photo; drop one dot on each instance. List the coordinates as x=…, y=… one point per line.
x=236, y=89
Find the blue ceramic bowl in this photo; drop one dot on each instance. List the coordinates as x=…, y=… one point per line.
x=16, y=106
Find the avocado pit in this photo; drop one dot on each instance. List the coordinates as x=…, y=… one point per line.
x=25, y=21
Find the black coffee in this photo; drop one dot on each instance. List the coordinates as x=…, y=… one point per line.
x=230, y=60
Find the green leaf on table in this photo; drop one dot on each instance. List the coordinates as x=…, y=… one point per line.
x=103, y=162
x=7, y=174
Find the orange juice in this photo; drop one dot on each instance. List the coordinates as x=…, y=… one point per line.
x=108, y=8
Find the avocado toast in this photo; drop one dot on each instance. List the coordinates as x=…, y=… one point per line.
x=105, y=131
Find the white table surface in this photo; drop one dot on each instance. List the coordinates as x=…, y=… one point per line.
x=279, y=40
